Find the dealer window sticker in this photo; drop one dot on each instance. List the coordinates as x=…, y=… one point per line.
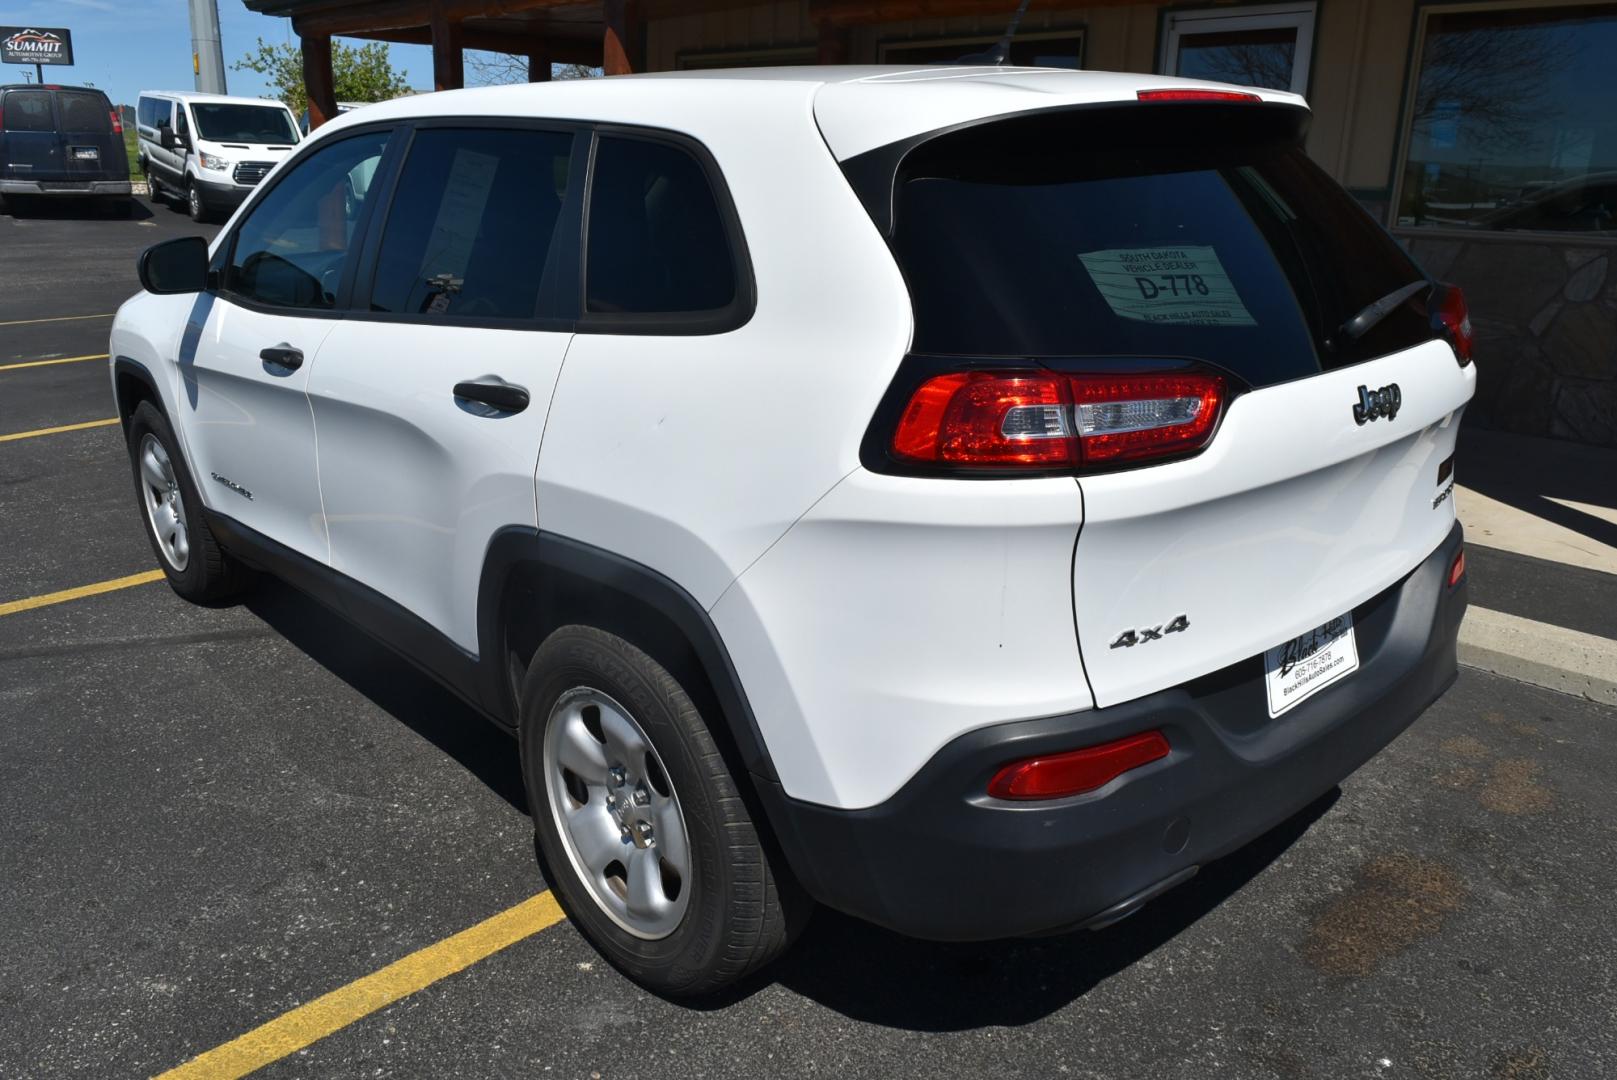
x=1182, y=285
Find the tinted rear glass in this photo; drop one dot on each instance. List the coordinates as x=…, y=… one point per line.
x=85, y=113
x=1201, y=232
x=28, y=110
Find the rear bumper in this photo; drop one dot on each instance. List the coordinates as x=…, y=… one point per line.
x=68, y=189
x=942, y=860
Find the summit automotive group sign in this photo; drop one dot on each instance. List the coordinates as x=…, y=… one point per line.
x=44, y=45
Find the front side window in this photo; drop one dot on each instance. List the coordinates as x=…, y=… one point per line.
x=28, y=110
x=1511, y=125
x=244, y=123
x=657, y=243
x=473, y=229
x=181, y=125
x=293, y=246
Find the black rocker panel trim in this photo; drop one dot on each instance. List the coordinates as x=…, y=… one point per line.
x=597, y=581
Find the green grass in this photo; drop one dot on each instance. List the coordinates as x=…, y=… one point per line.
x=131, y=140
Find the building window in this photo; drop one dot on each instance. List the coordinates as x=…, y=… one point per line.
x=1511, y=122
x=1054, y=48
x=1266, y=46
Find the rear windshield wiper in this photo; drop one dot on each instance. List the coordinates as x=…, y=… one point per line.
x=1362, y=323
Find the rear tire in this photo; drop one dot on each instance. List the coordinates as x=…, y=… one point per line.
x=717, y=907
x=192, y=560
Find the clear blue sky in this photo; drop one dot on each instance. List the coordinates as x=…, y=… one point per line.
x=126, y=46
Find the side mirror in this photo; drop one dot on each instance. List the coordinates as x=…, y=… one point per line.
x=175, y=266
x=165, y=138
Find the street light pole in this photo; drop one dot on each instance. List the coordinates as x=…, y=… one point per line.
x=207, y=53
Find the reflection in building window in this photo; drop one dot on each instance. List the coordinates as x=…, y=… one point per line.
x=1511, y=121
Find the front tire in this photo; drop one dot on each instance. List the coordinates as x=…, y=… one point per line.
x=652, y=850
x=196, y=567
x=194, y=204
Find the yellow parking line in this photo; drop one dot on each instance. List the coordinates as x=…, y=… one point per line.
x=48, y=363
x=11, y=607
x=58, y=318
x=57, y=430
x=308, y=1023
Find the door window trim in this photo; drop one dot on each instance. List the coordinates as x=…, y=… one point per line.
x=1303, y=17
x=722, y=320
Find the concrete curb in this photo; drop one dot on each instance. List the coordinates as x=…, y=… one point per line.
x=1533, y=652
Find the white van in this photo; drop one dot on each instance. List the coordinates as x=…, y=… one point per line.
x=208, y=149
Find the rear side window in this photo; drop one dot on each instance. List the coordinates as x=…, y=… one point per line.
x=28, y=110
x=292, y=248
x=1201, y=232
x=657, y=243
x=473, y=229
x=84, y=112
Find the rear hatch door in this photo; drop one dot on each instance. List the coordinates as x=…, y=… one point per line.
x=1142, y=235
x=30, y=143
x=92, y=148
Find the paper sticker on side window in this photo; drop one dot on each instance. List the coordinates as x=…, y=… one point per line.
x=1182, y=285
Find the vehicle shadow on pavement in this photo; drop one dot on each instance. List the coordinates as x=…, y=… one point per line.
x=1530, y=474
x=395, y=686
x=76, y=209
x=878, y=977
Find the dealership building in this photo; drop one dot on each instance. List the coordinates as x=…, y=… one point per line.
x=1484, y=135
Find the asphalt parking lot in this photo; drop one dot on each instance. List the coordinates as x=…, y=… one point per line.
x=212, y=817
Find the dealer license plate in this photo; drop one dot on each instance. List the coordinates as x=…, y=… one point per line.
x=86, y=153
x=1308, y=663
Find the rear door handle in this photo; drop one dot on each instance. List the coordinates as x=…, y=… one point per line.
x=493, y=392
x=282, y=356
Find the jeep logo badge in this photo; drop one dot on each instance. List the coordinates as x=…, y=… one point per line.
x=1374, y=404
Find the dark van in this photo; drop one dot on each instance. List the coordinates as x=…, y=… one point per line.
x=61, y=142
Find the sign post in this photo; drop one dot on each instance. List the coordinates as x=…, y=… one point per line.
x=40, y=46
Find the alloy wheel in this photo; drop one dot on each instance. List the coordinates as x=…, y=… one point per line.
x=617, y=813
x=165, y=507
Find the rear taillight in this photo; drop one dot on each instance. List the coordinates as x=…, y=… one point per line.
x=988, y=418
x=1196, y=95
x=1057, y=776
x=1134, y=417
x=1452, y=319
x=1043, y=420
x=117, y=124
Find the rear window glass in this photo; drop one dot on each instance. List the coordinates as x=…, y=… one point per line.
x=85, y=113
x=28, y=110
x=473, y=226
x=1200, y=232
x=657, y=244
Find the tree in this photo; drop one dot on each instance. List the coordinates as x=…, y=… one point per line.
x=358, y=72
x=501, y=69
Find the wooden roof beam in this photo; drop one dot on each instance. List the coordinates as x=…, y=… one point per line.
x=349, y=19
x=851, y=12
x=561, y=50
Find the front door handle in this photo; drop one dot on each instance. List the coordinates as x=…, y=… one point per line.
x=493, y=392
x=283, y=357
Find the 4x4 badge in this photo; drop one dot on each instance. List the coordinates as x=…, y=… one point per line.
x=1130, y=638
x=1374, y=404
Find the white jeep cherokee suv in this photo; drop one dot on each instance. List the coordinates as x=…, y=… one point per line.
x=970, y=498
